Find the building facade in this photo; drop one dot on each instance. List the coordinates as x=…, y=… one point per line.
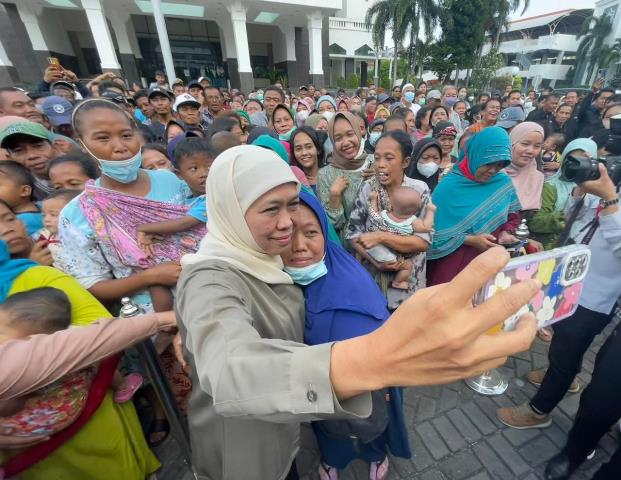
x=542, y=49
x=244, y=43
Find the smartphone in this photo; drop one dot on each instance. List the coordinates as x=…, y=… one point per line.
x=562, y=273
x=53, y=61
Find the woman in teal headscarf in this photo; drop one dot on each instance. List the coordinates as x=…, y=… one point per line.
x=548, y=222
x=474, y=206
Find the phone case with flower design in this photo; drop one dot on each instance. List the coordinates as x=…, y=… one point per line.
x=562, y=273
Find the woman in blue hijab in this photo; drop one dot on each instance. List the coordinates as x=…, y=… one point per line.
x=474, y=203
x=343, y=301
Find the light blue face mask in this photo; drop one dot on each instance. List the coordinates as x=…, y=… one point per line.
x=287, y=135
x=374, y=137
x=259, y=97
x=308, y=274
x=124, y=171
x=409, y=96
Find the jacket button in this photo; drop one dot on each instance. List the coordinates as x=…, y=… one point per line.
x=311, y=395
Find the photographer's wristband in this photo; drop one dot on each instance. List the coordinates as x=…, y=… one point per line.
x=607, y=203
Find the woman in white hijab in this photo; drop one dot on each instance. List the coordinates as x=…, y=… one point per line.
x=242, y=320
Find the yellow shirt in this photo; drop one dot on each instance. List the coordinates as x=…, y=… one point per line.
x=111, y=445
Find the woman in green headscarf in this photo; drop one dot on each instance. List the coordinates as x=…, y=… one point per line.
x=549, y=221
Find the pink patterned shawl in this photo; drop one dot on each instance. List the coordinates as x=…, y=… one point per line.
x=114, y=217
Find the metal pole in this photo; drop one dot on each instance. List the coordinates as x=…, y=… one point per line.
x=162, y=34
x=156, y=375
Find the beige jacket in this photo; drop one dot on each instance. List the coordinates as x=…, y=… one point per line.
x=254, y=381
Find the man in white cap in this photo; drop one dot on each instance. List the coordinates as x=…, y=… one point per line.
x=188, y=111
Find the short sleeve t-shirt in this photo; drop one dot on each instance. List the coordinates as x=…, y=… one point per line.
x=198, y=208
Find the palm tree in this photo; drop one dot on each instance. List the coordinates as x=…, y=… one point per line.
x=500, y=11
x=416, y=13
x=384, y=14
x=593, y=32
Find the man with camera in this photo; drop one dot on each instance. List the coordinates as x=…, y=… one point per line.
x=596, y=196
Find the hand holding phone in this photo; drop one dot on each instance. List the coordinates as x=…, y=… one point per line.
x=562, y=273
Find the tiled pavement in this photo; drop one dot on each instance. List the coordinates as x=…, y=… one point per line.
x=455, y=435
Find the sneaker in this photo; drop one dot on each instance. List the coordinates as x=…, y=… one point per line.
x=536, y=378
x=523, y=417
x=326, y=472
x=378, y=470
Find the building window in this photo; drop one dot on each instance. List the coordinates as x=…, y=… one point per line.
x=336, y=49
x=365, y=51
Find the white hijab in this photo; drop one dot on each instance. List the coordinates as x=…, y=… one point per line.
x=238, y=177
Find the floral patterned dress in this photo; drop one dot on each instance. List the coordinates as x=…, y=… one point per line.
x=360, y=221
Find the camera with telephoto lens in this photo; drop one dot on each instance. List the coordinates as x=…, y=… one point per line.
x=579, y=169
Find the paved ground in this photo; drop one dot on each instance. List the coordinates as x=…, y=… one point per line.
x=455, y=434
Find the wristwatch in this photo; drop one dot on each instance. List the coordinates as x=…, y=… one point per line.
x=607, y=203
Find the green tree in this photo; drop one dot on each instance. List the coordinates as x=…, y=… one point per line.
x=483, y=74
x=592, y=34
x=353, y=81
x=382, y=15
x=495, y=15
x=463, y=32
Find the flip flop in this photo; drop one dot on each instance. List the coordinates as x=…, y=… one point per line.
x=133, y=382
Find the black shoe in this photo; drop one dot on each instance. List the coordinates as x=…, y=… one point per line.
x=559, y=467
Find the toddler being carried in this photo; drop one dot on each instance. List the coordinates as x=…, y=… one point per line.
x=402, y=219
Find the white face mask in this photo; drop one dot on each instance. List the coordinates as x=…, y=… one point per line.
x=427, y=169
x=301, y=117
x=328, y=115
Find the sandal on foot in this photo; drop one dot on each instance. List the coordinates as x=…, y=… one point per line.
x=378, y=470
x=326, y=472
x=133, y=382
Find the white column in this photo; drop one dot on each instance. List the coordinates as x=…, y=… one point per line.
x=238, y=19
x=315, y=21
x=5, y=61
x=559, y=61
x=289, y=46
x=119, y=26
x=101, y=34
x=28, y=15
x=162, y=35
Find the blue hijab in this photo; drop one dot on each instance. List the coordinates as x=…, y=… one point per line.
x=10, y=269
x=466, y=206
x=346, y=302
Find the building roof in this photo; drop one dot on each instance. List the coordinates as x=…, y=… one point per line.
x=538, y=20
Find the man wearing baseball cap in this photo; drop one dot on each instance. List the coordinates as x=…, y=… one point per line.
x=433, y=98
x=31, y=144
x=58, y=111
x=188, y=110
x=195, y=88
x=63, y=89
x=510, y=117
x=160, y=100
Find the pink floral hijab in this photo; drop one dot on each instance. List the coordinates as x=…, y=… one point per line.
x=528, y=181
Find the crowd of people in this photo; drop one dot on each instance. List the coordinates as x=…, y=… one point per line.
x=320, y=251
